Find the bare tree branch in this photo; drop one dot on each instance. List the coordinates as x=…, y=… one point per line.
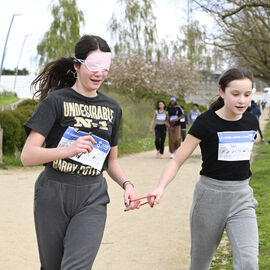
x=250, y=5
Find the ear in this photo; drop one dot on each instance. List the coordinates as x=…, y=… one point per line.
x=221, y=93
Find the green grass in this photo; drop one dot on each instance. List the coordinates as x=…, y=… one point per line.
x=136, y=146
x=260, y=182
x=11, y=160
x=7, y=98
x=261, y=186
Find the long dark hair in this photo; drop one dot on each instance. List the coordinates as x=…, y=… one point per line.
x=61, y=73
x=227, y=77
x=157, y=105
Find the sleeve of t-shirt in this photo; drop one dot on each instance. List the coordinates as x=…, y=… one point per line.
x=43, y=118
x=199, y=128
x=116, y=128
x=180, y=113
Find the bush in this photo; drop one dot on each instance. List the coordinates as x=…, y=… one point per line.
x=28, y=102
x=11, y=131
x=12, y=123
x=23, y=113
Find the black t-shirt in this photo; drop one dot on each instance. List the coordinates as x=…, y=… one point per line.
x=65, y=108
x=226, y=145
x=174, y=112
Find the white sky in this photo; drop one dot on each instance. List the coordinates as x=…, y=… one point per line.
x=36, y=19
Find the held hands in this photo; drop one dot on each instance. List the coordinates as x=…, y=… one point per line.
x=83, y=144
x=134, y=203
x=129, y=196
x=155, y=196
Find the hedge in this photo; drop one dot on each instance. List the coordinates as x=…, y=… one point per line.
x=12, y=123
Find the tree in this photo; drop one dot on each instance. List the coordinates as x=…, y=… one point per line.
x=173, y=75
x=64, y=31
x=135, y=32
x=193, y=45
x=23, y=71
x=244, y=32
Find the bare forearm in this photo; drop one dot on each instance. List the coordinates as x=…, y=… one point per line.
x=37, y=155
x=181, y=156
x=116, y=172
x=168, y=174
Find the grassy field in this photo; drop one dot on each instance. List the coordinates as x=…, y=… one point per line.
x=7, y=98
x=260, y=182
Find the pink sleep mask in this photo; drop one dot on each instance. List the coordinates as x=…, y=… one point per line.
x=97, y=61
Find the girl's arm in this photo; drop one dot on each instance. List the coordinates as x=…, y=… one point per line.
x=167, y=120
x=34, y=154
x=152, y=122
x=170, y=171
x=117, y=174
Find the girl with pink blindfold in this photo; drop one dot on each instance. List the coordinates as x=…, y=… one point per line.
x=97, y=61
x=71, y=192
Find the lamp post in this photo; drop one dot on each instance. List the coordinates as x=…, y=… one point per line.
x=5, y=47
x=19, y=59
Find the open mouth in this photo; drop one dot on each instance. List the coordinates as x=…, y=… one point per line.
x=240, y=107
x=96, y=81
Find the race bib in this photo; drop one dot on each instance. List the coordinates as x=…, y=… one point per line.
x=182, y=120
x=235, y=145
x=172, y=117
x=96, y=157
x=194, y=116
x=161, y=116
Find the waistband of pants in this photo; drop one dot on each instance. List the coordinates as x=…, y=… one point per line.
x=72, y=179
x=223, y=185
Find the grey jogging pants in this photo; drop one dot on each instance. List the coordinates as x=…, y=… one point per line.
x=218, y=206
x=70, y=214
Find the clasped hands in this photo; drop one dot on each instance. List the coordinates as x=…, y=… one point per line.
x=133, y=202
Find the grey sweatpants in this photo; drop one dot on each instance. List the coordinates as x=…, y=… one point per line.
x=218, y=206
x=70, y=214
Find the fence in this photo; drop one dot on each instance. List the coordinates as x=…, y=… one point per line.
x=12, y=106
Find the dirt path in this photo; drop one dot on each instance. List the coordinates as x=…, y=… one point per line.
x=156, y=239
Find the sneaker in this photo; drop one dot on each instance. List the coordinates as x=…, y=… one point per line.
x=161, y=156
x=172, y=155
x=157, y=154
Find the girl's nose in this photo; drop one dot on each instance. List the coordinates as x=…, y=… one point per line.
x=99, y=72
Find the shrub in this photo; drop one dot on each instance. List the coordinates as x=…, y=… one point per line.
x=28, y=102
x=11, y=131
x=12, y=123
x=23, y=113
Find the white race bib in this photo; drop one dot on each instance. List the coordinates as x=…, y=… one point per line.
x=96, y=157
x=235, y=145
x=161, y=116
x=172, y=117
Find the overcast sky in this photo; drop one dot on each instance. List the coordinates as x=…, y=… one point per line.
x=36, y=19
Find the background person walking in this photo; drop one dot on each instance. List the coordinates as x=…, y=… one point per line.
x=193, y=114
x=256, y=111
x=160, y=118
x=174, y=115
x=183, y=124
